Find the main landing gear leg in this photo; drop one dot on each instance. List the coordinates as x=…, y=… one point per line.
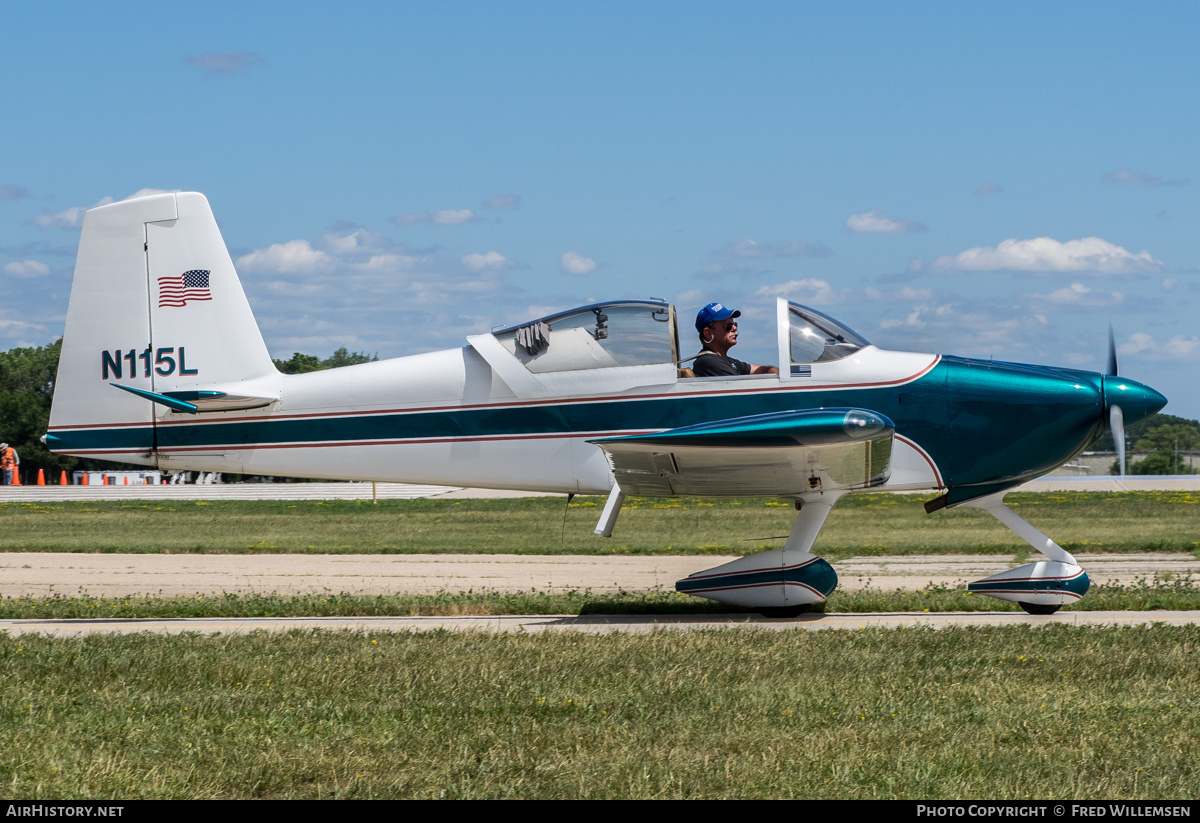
x=612, y=508
x=1038, y=588
x=779, y=583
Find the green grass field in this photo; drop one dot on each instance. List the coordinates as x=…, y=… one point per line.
x=1176, y=594
x=1057, y=712
x=867, y=524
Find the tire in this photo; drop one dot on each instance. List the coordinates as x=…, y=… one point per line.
x=1038, y=608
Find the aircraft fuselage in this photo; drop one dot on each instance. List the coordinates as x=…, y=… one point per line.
x=443, y=418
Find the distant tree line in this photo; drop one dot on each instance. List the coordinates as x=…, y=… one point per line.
x=1163, y=436
x=27, y=378
x=301, y=363
x=26, y=390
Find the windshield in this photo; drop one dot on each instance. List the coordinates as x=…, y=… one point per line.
x=818, y=338
x=594, y=337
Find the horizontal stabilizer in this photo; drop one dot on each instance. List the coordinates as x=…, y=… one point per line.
x=171, y=403
x=195, y=402
x=767, y=455
x=209, y=400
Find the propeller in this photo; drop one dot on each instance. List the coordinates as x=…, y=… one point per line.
x=1116, y=424
x=1112, y=353
x=1116, y=418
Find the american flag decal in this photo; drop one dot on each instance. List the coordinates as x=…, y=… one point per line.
x=177, y=291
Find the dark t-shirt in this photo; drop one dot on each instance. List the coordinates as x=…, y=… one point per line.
x=710, y=364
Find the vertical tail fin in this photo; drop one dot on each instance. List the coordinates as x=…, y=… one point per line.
x=156, y=309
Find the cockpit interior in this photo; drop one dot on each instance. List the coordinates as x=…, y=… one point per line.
x=645, y=332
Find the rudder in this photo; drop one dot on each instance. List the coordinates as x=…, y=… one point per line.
x=157, y=308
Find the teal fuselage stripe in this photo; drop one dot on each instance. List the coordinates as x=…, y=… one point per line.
x=978, y=421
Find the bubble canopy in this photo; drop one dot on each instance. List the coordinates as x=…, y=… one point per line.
x=815, y=337
x=600, y=335
x=644, y=332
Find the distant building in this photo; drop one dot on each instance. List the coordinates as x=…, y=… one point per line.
x=118, y=477
x=1092, y=464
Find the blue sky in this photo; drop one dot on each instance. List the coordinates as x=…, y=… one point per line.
x=986, y=181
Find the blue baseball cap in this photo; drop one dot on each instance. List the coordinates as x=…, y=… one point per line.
x=714, y=312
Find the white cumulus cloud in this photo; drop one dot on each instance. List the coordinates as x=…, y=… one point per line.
x=356, y=288
x=809, y=291
x=13, y=328
x=813, y=291
x=450, y=217
x=359, y=241
x=383, y=264
x=875, y=220
x=1045, y=254
x=445, y=217
x=1078, y=294
x=1177, y=348
x=292, y=257
x=27, y=268
x=492, y=261
x=148, y=192
x=71, y=218
x=572, y=262
x=912, y=320
x=502, y=201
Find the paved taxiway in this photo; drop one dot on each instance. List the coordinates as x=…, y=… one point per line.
x=116, y=575
x=590, y=624
x=43, y=574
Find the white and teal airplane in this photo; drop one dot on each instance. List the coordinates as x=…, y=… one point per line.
x=163, y=365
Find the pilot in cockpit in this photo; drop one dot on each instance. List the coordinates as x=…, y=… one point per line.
x=718, y=331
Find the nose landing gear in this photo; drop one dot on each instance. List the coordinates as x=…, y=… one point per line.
x=1039, y=588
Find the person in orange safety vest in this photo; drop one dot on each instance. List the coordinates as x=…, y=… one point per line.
x=9, y=461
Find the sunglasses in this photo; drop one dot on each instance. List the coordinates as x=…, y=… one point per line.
x=730, y=326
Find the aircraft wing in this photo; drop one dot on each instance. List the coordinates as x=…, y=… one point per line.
x=765, y=455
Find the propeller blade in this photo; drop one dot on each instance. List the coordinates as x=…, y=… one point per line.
x=1116, y=425
x=1112, y=352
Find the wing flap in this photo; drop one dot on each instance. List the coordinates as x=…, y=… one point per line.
x=766, y=455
